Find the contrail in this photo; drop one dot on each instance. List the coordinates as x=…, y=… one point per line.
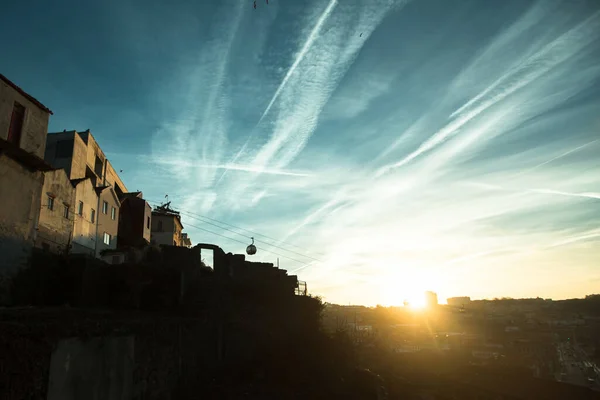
x=566, y=153
x=311, y=38
x=526, y=72
x=232, y=166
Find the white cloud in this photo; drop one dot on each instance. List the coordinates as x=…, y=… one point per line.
x=482, y=184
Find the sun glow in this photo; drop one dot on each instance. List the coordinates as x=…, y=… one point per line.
x=416, y=300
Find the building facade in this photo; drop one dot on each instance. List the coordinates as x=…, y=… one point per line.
x=108, y=220
x=166, y=226
x=97, y=201
x=55, y=225
x=23, y=127
x=86, y=215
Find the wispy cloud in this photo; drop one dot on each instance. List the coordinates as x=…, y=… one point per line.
x=458, y=190
x=314, y=33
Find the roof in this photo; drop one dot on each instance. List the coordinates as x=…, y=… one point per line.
x=25, y=158
x=128, y=195
x=175, y=216
x=25, y=94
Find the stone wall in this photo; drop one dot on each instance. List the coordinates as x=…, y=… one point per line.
x=54, y=229
x=20, y=199
x=35, y=124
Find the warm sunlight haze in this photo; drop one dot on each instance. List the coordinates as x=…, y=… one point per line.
x=376, y=149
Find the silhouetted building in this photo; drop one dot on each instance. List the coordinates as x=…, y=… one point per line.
x=462, y=301
x=135, y=219
x=23, y=127
x=431, y=299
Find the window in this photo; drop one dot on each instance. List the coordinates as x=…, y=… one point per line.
x=106, y=238
x=66, y=211
x=50, y=203
x=98, y=166
x=148, y=222
x=93, y=215
x=113, y=213
x=159, y=226
x=80, y=208
x=104, y=207
x=16, y=124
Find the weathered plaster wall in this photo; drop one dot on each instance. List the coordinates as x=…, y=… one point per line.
x=54, y=230
x=74, y=164
x=105, y=221
x=35, y=124
x=84, y=231
x=20, y=196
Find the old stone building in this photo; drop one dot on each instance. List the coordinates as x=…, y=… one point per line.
x=23, y=127
x=97, y=225
x=57, y=212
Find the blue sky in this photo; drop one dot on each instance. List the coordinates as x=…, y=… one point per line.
x=392, y=146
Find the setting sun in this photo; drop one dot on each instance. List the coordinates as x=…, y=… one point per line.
x=417, y=300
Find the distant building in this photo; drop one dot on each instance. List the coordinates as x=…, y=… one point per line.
x=23, y=127
x=462, y=301
x=166, y=226
x=431, y=299
x=135, y=221
x=57, y=213
x=187, y=242
x=97, y=202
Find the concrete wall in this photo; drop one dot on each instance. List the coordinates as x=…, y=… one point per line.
x=113, y=179
x=74, y=165
x=105, y=221
x=35, y=124
x=93, y=151
x=54, y=230
x=97, y=368
x=84, y=231
x=20, y=196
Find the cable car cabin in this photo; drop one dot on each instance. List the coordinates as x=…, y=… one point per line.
x=251, y=249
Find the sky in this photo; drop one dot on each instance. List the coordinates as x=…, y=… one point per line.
x=377, y=148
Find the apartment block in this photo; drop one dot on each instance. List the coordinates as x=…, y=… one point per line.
x=98, y=187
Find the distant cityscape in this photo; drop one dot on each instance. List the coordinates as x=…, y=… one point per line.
x=555, y=340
